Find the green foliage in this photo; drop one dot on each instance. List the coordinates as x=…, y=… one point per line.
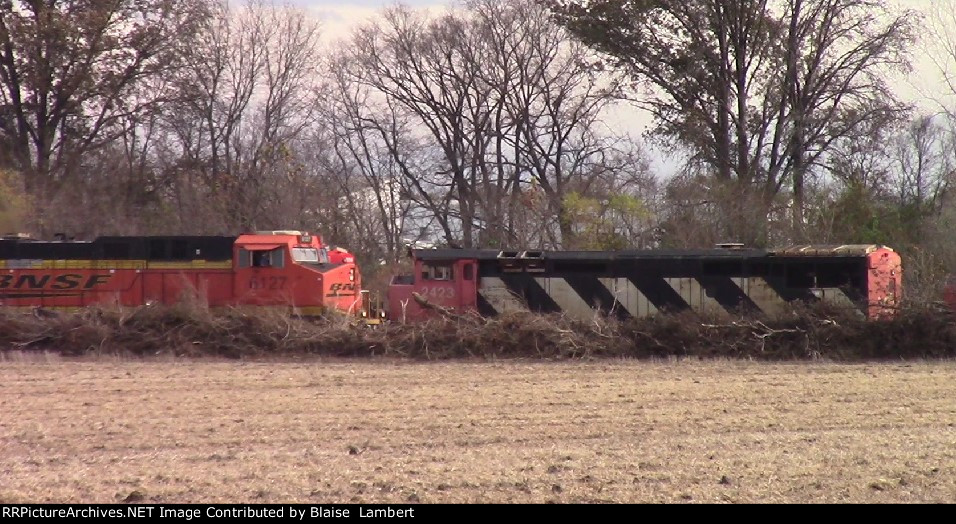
x=857, y=217
x=865, y=216
x=602, y=223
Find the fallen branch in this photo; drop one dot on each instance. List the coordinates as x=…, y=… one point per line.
x=423, y=302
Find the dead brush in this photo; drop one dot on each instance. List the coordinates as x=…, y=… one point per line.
x=191, y=329
x=70, y=334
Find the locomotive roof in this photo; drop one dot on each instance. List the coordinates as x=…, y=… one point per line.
x=495, y=254
x=121, y=248
x=848, y=250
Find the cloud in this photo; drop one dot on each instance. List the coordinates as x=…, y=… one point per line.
x=371, y=4
x=340, y=18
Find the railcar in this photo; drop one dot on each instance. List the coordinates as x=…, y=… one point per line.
x=266, y=268
x=640, y=283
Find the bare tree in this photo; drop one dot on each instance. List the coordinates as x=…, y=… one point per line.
x=371, y=152
x=244, y=110
x=72, y=72
x=506, y=102
x=553, y=100
x=757, y=90
x=422, y=65
x=939, y=45
x=887, y=184
x=925, y=164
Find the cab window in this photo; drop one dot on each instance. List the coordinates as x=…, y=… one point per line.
x=272, y=258
x=437, y=272
x=261, y=259
x=310, y=254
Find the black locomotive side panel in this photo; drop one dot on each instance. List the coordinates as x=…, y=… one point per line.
x=625, y=287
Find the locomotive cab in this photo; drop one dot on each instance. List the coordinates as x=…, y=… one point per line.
x=438, y=283
x=279, y=268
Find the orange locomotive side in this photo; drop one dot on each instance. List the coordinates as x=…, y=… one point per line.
x=272, y=268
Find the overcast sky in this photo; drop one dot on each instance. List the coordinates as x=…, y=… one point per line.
x=361, y=8
x=339, y=16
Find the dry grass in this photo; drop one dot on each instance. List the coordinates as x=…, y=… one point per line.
x=348, y=431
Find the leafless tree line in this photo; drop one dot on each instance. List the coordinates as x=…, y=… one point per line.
x=485, y=126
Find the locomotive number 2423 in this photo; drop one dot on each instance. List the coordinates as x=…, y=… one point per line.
x=437, y=292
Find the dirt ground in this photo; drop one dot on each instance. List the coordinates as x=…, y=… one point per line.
x=110, y=429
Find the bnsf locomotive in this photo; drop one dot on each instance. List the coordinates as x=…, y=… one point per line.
x=268, y=268
x=866, y=278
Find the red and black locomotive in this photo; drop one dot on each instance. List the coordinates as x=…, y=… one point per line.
x=638, y=283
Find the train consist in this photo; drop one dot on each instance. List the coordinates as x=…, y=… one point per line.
x=866, y=278
x=266, y=268
x=295, y=269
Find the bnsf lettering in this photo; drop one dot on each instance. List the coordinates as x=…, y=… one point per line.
x=67, y=281
x=96, y=280
x=32, y=281
x=341, y=290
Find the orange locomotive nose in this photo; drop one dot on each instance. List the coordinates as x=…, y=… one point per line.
x=294, y=268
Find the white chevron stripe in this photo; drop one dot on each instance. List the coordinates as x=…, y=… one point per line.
x=837, y=297
x=629, y=297
x=565, y=297
x=499, y=296
x=695, y=295
x=761, y=294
